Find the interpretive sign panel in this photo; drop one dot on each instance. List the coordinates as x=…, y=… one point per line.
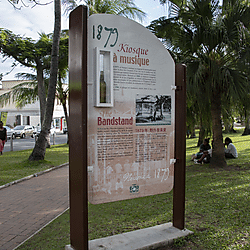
x=130, y=111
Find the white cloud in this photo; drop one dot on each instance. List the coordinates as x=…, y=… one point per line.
x=27, y=22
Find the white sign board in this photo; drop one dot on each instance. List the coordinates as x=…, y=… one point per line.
x=130, y=111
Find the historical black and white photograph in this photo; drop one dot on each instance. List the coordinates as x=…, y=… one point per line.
x=153, y=110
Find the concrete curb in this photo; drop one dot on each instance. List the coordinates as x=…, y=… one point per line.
x=33, y=175
x=149, y=238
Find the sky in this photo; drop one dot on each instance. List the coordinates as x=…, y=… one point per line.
x=31, y=21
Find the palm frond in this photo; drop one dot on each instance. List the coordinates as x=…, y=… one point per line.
x=5, y=98
x=24, y=95
x=26, y=76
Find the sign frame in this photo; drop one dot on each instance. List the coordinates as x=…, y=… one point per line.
x=78, y=149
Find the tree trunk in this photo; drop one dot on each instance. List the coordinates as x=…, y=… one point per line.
x=42, y=98
x=232, y=130
x=62, y=95
x=218, y=154
x=201, y=136
x=247, y=126
x=65, y=112
x=227, y=126
x=192, y=131
x=66, y=118
x=39, y=150
x=41, y=91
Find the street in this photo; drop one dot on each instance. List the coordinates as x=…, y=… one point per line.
x=29, y=143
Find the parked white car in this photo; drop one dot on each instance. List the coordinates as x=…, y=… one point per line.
x=10, y=132
x=23, y=131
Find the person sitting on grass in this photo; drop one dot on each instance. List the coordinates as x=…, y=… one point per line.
x=230, y=151
x=205, y=146
x=205, y=158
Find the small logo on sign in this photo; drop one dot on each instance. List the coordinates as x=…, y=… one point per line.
x=134, y=188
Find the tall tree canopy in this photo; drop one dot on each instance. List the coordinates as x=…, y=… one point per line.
x=126, y=8
x=207, y=37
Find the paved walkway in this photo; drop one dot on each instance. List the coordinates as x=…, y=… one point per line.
x=29, y=205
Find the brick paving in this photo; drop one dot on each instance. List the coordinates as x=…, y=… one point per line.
x=29, y=205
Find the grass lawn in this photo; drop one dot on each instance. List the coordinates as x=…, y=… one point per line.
x=217, y=208
x=15, y=165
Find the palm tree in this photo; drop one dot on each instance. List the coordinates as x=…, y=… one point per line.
x=214, y=41
x=126, y=8
x=23, y=93
x=208, y=37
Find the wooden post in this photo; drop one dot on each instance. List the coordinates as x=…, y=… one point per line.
x=53, y=136
x=11, y=143
x=180, y=147
x=78, y=128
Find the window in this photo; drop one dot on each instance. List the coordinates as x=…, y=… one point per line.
x=104, y=78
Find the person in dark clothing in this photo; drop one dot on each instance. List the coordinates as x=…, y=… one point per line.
x=204, y=147
x=3, y=137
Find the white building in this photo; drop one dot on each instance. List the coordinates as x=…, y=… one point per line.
x=30, y=113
